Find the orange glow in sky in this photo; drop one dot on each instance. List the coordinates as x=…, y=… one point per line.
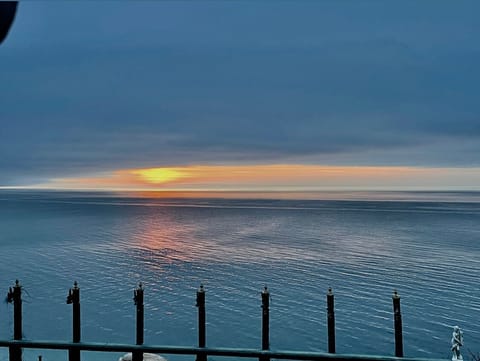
x=277, y=177
x=160, y=175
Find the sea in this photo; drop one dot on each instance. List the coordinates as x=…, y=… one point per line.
x=364, y=245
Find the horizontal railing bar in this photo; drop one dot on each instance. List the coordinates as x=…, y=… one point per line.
x=186, y=350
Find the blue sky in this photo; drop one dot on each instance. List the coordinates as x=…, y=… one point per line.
x=92, y=87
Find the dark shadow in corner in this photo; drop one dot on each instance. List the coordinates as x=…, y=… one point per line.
x=7, y=15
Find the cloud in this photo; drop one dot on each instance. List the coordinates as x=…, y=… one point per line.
x=96, y=87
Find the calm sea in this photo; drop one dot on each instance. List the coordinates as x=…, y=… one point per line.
x=425, y=245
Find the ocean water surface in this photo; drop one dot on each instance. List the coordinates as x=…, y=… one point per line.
x=425, y=245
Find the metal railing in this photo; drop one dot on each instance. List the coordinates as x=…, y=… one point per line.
x=203, y=351
x=74, y=347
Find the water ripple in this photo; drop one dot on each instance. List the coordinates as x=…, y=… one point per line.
x=364, y=250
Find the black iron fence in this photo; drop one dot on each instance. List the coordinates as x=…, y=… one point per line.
x=201, y=352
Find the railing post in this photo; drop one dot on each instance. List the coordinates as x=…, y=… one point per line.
x=73, y=298
x=138, y=300
x=331, y=320
x=397, y=316
x=201, y=322
x=15, y=295
x=265, y=322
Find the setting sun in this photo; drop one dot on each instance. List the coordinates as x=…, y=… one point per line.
x=160, y=175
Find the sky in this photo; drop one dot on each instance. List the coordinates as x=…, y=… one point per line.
x=264, y=95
